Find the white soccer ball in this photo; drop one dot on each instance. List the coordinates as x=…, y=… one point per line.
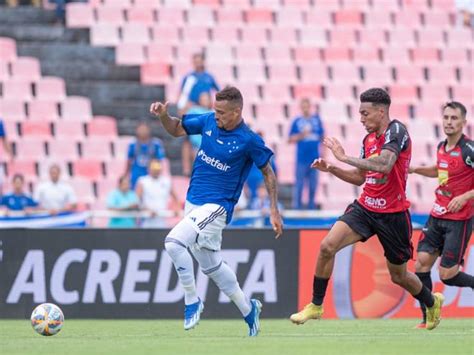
x=47, y=319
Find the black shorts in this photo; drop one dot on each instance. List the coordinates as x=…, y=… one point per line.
x=449, y=238
x=394, y=230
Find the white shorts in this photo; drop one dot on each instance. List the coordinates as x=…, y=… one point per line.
x=208, y=221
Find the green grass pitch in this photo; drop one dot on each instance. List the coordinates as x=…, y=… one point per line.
x=349, y=337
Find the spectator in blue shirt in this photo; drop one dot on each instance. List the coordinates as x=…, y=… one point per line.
x=18, y=200
x=122, y=199
x=6, y=149
x=195, y=83
x=140, y=152
x=307, y=132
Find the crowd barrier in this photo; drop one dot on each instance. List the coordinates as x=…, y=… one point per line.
x=104, y=273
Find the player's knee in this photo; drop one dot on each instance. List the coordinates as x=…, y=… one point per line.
x=398, y=278
x=327, y=250
x=224, y=278
x=173, y=247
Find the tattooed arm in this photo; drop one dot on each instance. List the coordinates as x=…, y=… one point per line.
x=271, y=185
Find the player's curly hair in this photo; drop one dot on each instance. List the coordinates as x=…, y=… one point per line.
x=376, y=96
x=456, y=105
x=231, y=94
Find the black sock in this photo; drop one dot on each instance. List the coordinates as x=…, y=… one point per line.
x=319, y=290
x=425, y=297
x=425, y=278
x=461, y=280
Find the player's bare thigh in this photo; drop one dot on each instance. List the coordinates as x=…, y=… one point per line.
x=340, y=236
x=425, y=261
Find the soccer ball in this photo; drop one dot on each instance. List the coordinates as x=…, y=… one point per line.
x=47, y=319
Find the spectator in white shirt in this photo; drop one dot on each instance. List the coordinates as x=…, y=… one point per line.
x=154, y=191
x=54, y=195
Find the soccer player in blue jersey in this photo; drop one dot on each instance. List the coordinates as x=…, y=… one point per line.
x=227, y=152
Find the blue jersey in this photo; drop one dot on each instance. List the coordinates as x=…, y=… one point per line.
x=141, y=154
x=17, y=202
x=205, y=83
x=2, y=130
x=307, y=149
x=223, y=161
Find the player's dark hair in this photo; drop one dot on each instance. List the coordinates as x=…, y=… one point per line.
x=376, y=96
x=18, y=176
x=231, y=94
x=456, y=105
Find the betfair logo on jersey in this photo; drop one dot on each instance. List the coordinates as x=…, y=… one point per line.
x=215, y=163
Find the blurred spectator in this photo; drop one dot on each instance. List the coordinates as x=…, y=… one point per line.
x=55, y=196
x=262, y=201
x=141, y=152
x=465, y=10
x=7, y=149
x=18, y=200
x=255, y=177
x=195, y=83
x=122, y=199
x=192, y=143
x=307, y=132
x=154, y=191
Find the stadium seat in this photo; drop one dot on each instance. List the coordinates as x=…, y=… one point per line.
x=400, y=111
x=33, y=148
x=304, y=4
x=69, y=129
x=115, y=168
x=402, y=37
x=158, y=52
x=154, y=73
x=170, y=16
x=308, y=72
x=337, y=91
x=17, y=90
x=251, y=73
x=438, y=74
x=313, y=91
x=25, y=166
x=379, y=72
x=431, y=38
x=336, y=111
x=197, y=35
x=395, y=56
x=225, y=33
x=250, y=92
x=120, y=145
x=254, y=35
x=466, y=74
x=314, y=36
x=437, y=19
x=282, y=73
x=63, y=149
x=425, y=55
x=286, y=36
x=459, y=37
x=269, y=112
x=50, y=88
x=102, y=126
x=130, y=54
x=201, y=16
x=455, y=55
x=26, y=68
x=345, y=37
x=7, y=49
x=319, y=17
x=12, y=110
x=333, y=54
x=11, y=128
x=433, y=92
x=378, y=19
x=366, y=55
x=210, y=3
x=428, y=111
x=43, y=110
x=275, y=91
x=289, y=17
x=348, y=17
x=258, y=16
x=348, y=74
x=373, y=38
x=409, y=74
x=278, y=54
x=84, y=190
x=76, y=108
x=4, y=71
x=87, y=168
x=120, y=3
x=404, y=93
x=36, y=128
x=165, y=34
x=79, y=15
x=307, y=54
x=142, y=15
x=405, y=19
x=136, y=33
x=180, y=186
x=464, y=94
x=111, y=15
x=96, y=148
x=229, y=16
x=421, y=131
x=104, y=34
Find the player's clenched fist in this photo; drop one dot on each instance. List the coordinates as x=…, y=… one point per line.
x=159, y=109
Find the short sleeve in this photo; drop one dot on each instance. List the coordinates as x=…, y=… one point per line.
x=131, y=151
x=259, y=152
x=2, y=130
x=294, y=128
x=396, y=138
x=195, y=123
x=467, y=151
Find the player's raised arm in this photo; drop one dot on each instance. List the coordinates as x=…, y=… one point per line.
x=271, y=185
x=172, y=124
x=428, y=171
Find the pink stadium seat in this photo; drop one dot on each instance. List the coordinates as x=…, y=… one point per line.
x=425, y=55
x=437, y=19
x=251, y=73
x=448, y=6
x=155, y=73
x=455, y=55
x=130, y=54
x=257, y=36
x=7, y=49
x=84, y=189
x=272, y=4
x=250, y=91
x=158, y=52
x=348, y=17
x=87, y=168
x=36, y=128
x=442, y=75
x=320, y=17
x=121, y=3
x=466, y=74
x=400, y=111
x=12, y=110
x=180, y=186
x=170, y=16
x=248, y=54
x=17, y=90
x=404, y=19
x=343, y=192
x=184, y=4
x=69, y=129
x=197, y=35
x=143, y=15
x=276, y=92
x=343, y=37
x=79, y=15
x=165, y=34
x=225, y=33
x=429, y=111
x=50, y=88
x=365, y=55
x=464, y=94
x=135, y=33
x=282, y=73
x=373, y=38
x=409, y=74
x=26, y=68
x=270, y=112
x=115, y=168
x=307, y=54
x=402, y=37
x=332, y=54
x=201, y=16
x=4, y=71
x=422, y=131
x=32, y=148
x=211, y=3
x=315, y=70
x=229, y=16
x=26, y=167
x=111, y=15
x=11, y=127
x=313, y=36
x=102, y=126
x=313, y=91
x=378, y=72
x=291, y=17
x=278, y=54
x=258, y=16
x=121, y=144
x=104, y=34
x=404, y=93
x=396, y=56
x=64, y=148
x=431, y=38
x=219, y=53
x=459, y=37
x=284, y=36
x=97, y=148
x=339, y=91
x=378, y=19
x=336, y=111
x=222, y=71
x=43, y=110
x=76, y=108
x=348, y=74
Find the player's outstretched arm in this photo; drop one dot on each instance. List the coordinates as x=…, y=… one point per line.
x=172, y=124
x=352, y=176
x=271, y=185
x=428, y=171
